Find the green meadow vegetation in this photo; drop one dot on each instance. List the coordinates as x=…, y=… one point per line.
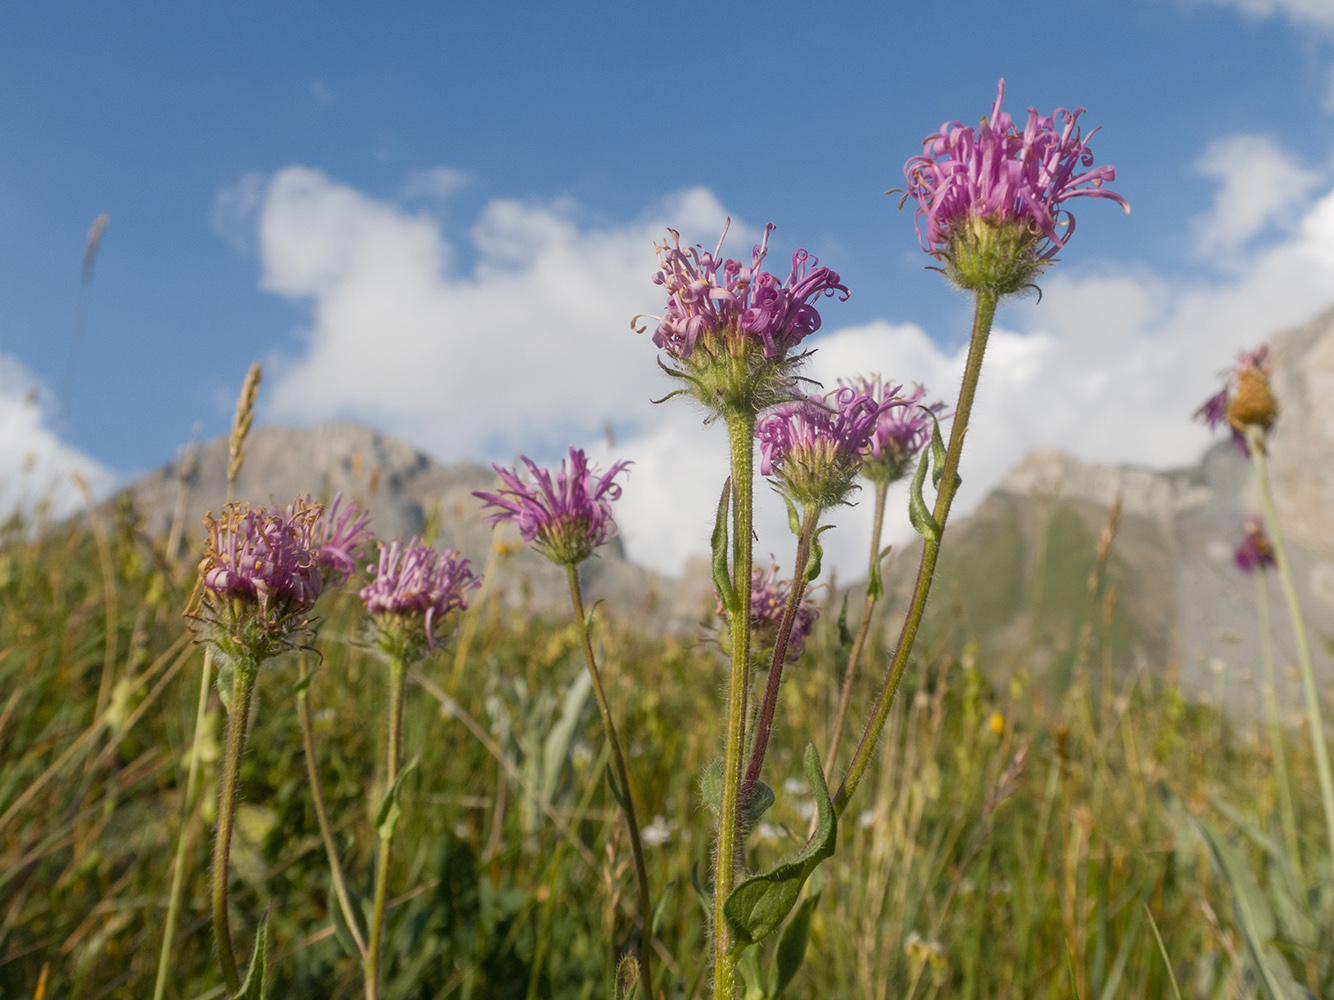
x=1018, y=842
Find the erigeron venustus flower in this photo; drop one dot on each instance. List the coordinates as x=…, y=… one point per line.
x=813, y=447
x=1246, y=399
x=566, y=517
x=1255, y=552
x=900, y=433
x=768, y=599
x=412, y=590
x=988, y=198
x=731, y=329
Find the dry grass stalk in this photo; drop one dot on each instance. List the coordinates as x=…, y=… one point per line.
x=245, y=416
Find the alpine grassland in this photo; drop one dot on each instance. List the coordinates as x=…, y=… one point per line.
x=285, y=757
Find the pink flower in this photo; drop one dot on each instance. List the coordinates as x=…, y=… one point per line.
x=729, y=306
x=768, y=599
x=417, y=582
x=1000, y=174
x=901, y=431
x=567, y=518
x=1255, y=551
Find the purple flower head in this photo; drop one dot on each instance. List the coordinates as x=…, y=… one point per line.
x=768, y=598
x=339, y=538
x=414, y=588
x=813, y=446
x=730, y=306
x=971, y=183
x=901, y=432
x=1245, y=399
x=567, y=518
x=259, y=577
x=1255, y=551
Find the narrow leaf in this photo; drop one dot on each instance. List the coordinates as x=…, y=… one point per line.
x=588, y=616
x=875, y=588
x=722, y=582
x=918, y=513
x=253, y=987
x=793, y=518
x=758, y=905
x=844, y=634
x=711, y=785
x=702, y=892
x=752, y=975
x=386, y=817
x=791, y=951
x=937, y=452
x=1254, y=918
x=302, y=684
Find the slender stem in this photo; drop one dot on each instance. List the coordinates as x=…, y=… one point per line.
x=187, y=829
x=322, y=816
x=238, y=718
x=741, y=437
x=397, y=674
x=984, y=313
x=759, y=743
x=1286, y=812
x=627, y=790
x=1255, y=441
x=859, y=643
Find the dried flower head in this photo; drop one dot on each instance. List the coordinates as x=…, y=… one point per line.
x=1246, y=399
x=1255, y=551
x=901, y=432
x=414, y=587
x=768, y=598
x=568, y=517
x=988, y=197
x=732, y=328
x=813, y=447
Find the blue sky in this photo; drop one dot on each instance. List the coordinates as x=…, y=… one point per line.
x=273, y=171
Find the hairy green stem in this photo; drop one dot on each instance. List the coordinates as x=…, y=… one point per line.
x=627, y=790
x=397, y=674
x=983, y=315
x=238, y=718
x=1256, y=444
x=322, y=817
x=759, y=744
x=859, y=643
x=741, y=438
x=183, y=839
x=1287, y=814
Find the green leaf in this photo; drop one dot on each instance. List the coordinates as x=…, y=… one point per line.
x=627, y=978
x=759, y=904
x=302, y=684
x=253, y=987
x=752, y=975
x=817, y=554
x=918, y=513
x=721, y=581
x=844, y=635
x=711, y=785
x=588, y=616
x=938, y=455
x=760, y=801
x=875, y=588
x=791, y=951
x=386, y=817
x=1254, y=918
x=793, y=518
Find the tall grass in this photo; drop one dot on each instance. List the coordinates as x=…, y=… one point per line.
x=1015, y=847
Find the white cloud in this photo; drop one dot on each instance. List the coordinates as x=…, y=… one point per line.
x=1259, y=186
x=1314, y=13
x=35, y=465
x=530, y=349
